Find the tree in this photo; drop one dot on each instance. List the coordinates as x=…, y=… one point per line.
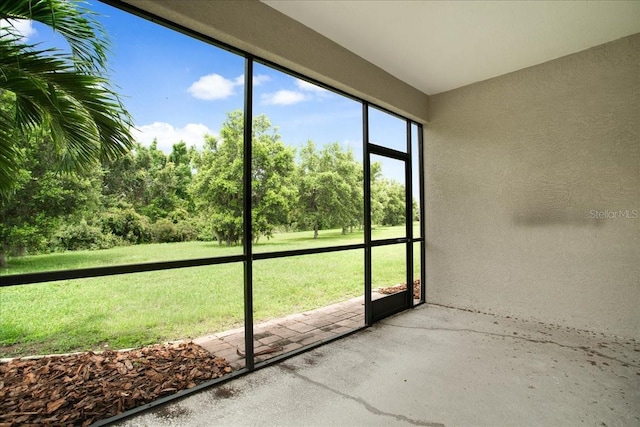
x=217, y=187
x=181, y=158
x=148, y=186
x=64, y=94
x=351, y=171
x=329, y=188
x=43, y=200
x=124, y=179
x=272, y=173
x=160, y=184
x=387, y=199
x=395, y=207
x=154, y=183
x=378, y=197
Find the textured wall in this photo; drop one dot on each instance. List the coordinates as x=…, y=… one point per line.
x=263, y=31
x=526, y=176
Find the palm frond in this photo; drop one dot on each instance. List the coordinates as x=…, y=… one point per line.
x=77, y=24
x=84, y=116
x=9, y=155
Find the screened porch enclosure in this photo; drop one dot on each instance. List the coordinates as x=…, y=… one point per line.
x=281, y=218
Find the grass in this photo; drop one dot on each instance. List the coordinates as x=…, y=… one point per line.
x=143, y=308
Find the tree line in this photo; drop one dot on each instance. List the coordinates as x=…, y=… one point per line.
x=72, y=176
x=148, y=196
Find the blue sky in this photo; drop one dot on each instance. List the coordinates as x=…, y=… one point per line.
x=179, y=88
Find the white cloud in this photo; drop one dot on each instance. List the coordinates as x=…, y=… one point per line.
x=167, y=135
x=309, y=87
x=283, y=97
x=212, y=86
x=215, y=86
x=257, y=79
x=307, y=91
x=21, y=27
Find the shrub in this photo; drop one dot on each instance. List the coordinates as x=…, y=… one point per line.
x=164, y=231
x=179, y=214
x=74, y=237
x=202, y=228
x=123, y=221
x=187, y=230
x=22, y=240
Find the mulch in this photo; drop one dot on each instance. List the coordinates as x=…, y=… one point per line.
x=402, y=287
x=81, y=389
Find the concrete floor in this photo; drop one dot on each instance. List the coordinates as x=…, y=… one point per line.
x=433, y=366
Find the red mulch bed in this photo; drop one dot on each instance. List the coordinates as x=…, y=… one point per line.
x=84, y=388
x=402, y=287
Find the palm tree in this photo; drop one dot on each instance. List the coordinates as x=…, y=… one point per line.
x=64, y=93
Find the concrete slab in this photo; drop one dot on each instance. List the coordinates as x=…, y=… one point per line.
x=433, y=366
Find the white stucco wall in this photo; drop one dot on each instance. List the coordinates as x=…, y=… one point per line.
x=519, y=171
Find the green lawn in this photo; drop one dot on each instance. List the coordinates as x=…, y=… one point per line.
x=143, y=308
